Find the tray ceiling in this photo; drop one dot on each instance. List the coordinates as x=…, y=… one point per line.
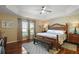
x=33, y=11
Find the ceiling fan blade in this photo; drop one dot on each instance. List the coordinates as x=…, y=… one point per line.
x=40, y=12
x=48, y=10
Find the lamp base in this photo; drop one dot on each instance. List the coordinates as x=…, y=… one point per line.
x=75, y=31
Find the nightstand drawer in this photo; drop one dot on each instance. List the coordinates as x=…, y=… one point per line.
x=74, y=38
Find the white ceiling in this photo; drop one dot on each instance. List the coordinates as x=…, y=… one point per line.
x=33, y=11
x=4, y=10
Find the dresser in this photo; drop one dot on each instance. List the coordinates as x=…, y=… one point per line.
x=74, y=38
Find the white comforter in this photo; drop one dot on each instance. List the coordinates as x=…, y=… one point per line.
x=61, y=37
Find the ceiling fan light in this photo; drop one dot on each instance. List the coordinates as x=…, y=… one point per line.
x=43, y=11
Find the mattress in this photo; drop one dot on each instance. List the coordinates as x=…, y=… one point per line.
x=47, y=35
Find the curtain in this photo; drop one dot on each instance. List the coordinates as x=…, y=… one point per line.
x=0, y=28
x=19, y=33
x=28, y=29
x=35, y=28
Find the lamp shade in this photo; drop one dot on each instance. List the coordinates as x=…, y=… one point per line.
x=74, y=25
x=45, y=25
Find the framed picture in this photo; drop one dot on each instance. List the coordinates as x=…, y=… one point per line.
x=8, y=24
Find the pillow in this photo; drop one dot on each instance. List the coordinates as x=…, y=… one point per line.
x=56, y=31
x=51, y=31
x=59, y=32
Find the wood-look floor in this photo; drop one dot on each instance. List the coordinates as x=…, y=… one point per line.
x=16, y=48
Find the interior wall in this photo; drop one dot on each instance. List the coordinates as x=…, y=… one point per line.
x=40, y=25
x=10, y=33
x=70, y=20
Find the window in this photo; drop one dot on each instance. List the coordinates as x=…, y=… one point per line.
x=24, y=28
x=27, y=29
x=31, y=28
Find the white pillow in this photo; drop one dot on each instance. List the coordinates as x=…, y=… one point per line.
x=51, y=31
x=59, y=32
x=56, y=31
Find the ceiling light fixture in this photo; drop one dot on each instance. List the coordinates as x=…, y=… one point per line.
x=43, y=10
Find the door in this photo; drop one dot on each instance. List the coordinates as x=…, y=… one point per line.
x=28, y=29
x=32, y=29
x=25, y=30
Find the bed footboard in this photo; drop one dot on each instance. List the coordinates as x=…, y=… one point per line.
x=48, y=45
x=52, y=43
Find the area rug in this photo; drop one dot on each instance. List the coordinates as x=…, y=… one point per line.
x=69, y=46
x=40, y=49
x=34, y=49
x=37, y=49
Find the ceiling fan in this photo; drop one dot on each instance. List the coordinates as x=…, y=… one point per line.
x=44, y=10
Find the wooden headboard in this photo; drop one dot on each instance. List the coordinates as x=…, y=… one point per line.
x=57, y=26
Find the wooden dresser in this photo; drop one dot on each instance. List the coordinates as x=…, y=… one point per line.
x=74, y=38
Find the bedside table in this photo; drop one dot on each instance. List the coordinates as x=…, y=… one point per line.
x=74, y=38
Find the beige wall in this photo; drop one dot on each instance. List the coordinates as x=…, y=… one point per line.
x=71, y=20
x=11, y=33
x=67, y=19
x=40, y=24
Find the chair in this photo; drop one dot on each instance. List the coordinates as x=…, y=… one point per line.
x=3, y=41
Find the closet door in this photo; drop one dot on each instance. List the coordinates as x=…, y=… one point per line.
x=25, y=30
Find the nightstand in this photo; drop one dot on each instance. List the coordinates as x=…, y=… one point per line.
x=74, y=38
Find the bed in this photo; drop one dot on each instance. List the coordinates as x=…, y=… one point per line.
x=54, y=37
